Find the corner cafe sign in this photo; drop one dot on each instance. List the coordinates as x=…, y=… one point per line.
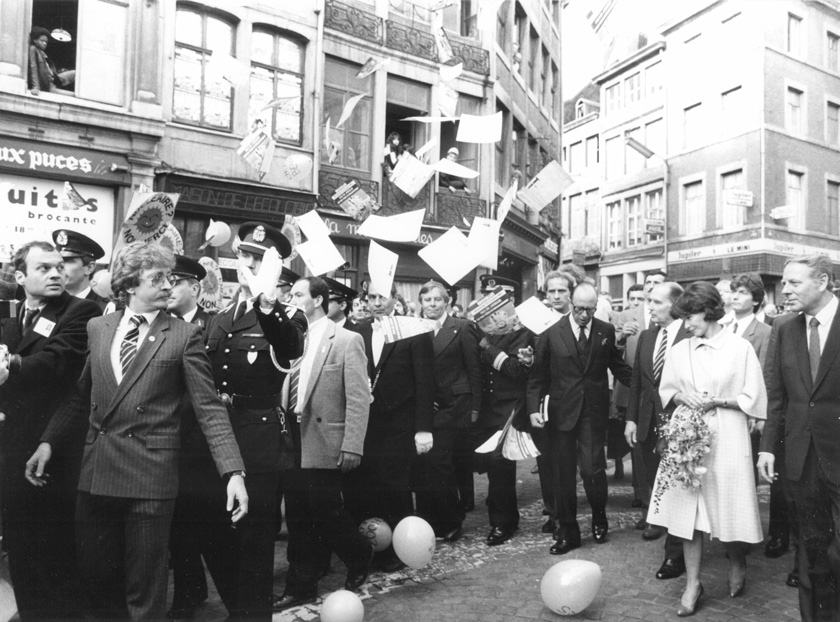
x=747, y=247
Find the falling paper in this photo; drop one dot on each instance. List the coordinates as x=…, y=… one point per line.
x=447, y=100
x=279, y=101
x=382, y=265
x=395, y=327
x=430, y=119
x=450, y=256
x=410, y=174
x=442, y=4
x=536, y=316
x=421, y=153
x=312, y=226
x=484, y=241
x=444, y=47
x=507, y=201
x=546, y=186
x=372, y=66
x=354, y=200
x=400, y=228
x=320, y=255
x=450, y=72
x=348, y=108
x=228, y=68
x=257, y=148
x=71, y=200
x=450, y=167
x=480, y=129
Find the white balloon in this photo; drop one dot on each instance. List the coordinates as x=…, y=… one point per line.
x=414, y=541
x=342, y=606
x=101, y=283
x=217, y=233
x=297, y=167
x=570, y=586
x=377, y=532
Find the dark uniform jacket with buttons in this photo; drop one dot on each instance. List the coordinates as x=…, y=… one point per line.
x=504, y=377
x=457, y=373
x=134, y=433
x=240, y=353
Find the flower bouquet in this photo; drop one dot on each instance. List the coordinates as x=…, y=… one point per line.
x=687, y=439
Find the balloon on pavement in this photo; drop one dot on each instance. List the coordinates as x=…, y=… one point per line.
x=100, y=283
x=568, y=587
x=377, y=532
x=342, y=606
x=414, y=541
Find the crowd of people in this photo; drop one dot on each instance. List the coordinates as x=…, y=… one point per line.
x=161, y=436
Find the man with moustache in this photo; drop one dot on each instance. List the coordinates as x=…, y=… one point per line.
x=645, y=406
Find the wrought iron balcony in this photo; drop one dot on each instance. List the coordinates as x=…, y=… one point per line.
x=474, y=58
x=354, y=22
x=395, y=201
x=458, y=209
x=410, y=40
x=329, y=181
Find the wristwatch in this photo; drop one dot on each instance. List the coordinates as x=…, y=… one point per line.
x=232, y=473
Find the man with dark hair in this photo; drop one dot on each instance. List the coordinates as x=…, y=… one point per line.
x=43, y=75
x=572, y=359
x=635, y=296
x=140, y=365
x=802, y=396
x=746, y=296
x=80, y=255
x=328, y=405
x=44, y=342
x=644, y=407
x=340, y=302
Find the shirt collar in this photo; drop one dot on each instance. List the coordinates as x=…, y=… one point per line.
x=716, y=342
x=149, y=315
x=672, y=329
x=84, y=293
x=189, y=315
x=826, y=314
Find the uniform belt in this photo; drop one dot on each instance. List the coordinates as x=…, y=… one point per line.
x=237, y=400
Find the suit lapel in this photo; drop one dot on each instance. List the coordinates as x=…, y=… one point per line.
x=800, y=348
x=386, y=352
x=318, y=362
x=568, y=336
x=111, y=321
x=832, y=346
x=596, y=335
x=445, y=335
x=647, y=351
x=50, y=314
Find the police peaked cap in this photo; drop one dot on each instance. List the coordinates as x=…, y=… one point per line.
x=257, y=237
x=74, y=244
x=188, y=268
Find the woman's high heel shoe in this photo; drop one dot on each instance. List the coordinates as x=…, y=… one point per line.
x=736, y=588
x=684, y=612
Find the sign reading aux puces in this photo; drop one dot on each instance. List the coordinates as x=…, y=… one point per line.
x=33, y=208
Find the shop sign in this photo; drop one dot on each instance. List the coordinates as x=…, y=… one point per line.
x=747, y=247
x=349, y=229
x=32, y=209
x=32, y=157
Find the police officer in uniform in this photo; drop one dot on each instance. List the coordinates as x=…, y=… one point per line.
x=251, y=345
x=505, y=376
x=80, y=255
x=341, y=301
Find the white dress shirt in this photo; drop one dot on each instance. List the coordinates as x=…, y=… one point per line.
x=83, y=294
x=122, y=329
x=740, y=325
x=825, y=317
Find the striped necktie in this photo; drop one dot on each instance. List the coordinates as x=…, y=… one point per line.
x=659, y=359
x=294, y=383
x=128, y=347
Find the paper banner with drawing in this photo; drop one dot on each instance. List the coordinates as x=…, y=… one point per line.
x=371, y=66
x=449, y=167
x=494, y=313
x=400, y=228
x=351, y=198
x=149, y=215
x=546, y=186
x=450, y=256
x=480, y=129
x=447, y=100
x=210, y=294
x=382, y=265
x=258, y=150
x=536, y=316
x=410, y=175
x=395, y=327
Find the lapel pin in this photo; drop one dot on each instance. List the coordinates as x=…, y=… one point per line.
x=151, y=337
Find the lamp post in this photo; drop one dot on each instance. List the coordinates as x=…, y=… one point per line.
x=647, y=154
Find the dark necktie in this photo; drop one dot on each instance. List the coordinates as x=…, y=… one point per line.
x=240, y=311
x=734, y=327
x=659, y=359
x=29, y=317
x=294, y=382
x=581, y=339
x=128, y=347
x=814, y=348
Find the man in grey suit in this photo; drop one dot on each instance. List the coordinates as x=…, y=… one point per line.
x=746, y=299
x=140, y=364
x=329, y=402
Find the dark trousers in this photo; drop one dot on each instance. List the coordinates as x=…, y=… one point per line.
x=318, y=525
x=583, y=447
x=673, y=545
x=39, y=536
x=502, y=506
x=783, y=515
x=240, y=557
x=546, y=470
x=122, y=549
x=817, y=502
x=462, y=461
x=437, y=491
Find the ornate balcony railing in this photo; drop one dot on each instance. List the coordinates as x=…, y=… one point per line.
x=354, y=22
x=458, y=209
x=395, y=201
x=410, y=40
x=329, y=180
x=474, y=58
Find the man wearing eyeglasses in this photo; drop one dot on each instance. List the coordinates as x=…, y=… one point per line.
x=570, y=367
x=141, y=364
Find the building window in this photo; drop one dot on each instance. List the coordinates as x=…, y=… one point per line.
x=831, y=52
x=592, y=155
x=654, y=212
x=520, y=34
x=794, y=34
x=794, y=110
x=795, y=199
x=832, y=127
x=277, y=74
x=615, y=157
x=555, y=83
x=613, y=97
x=578, y=219
x=201, y=97
x=593, y=215
x=349, y=145
x=653, y=78
x=832, y=204
x=501, y=26
x=633, y=88
x=545, y=81
x=534, y=62
x=462, y=17
x=732, y=111
x=502, y=172
x=634, y=221
x=731, y=215
x=692, y=126
x=694, y=208
x=576, y=157
x=615, y=226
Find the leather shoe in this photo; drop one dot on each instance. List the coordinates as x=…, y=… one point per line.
x=641, y=524
x=453, y=534
x=670, y=569
x=549, y=526
x=564, y=545
x=499, y=535
x=653, y=532
x=357, y=576
x=776, y=547
x=287, y=601
x=599, y=533
x=793, y=578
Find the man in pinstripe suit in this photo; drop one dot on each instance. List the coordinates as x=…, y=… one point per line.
x=140, y=364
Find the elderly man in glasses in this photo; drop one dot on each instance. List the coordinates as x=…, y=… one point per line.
x=570, y=370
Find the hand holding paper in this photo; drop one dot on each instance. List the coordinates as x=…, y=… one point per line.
x=264, y=283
